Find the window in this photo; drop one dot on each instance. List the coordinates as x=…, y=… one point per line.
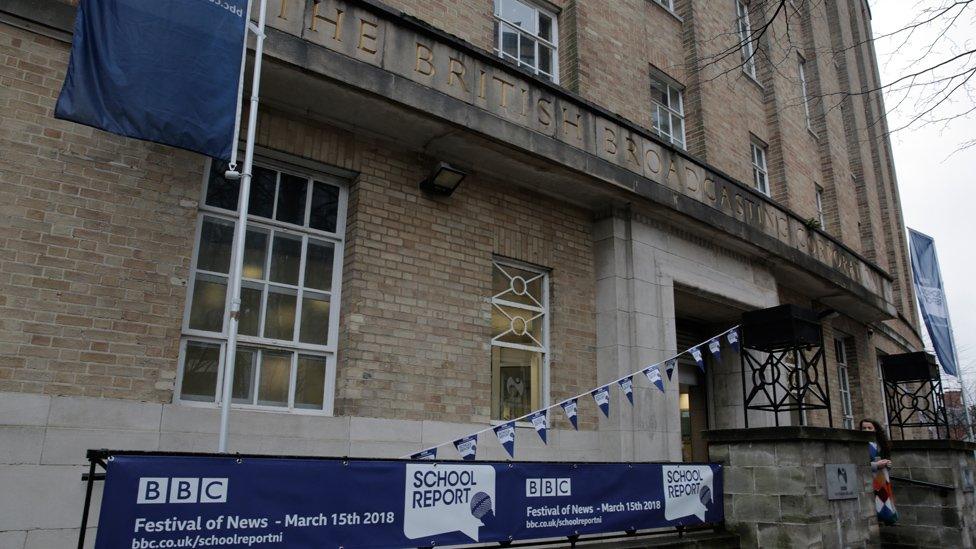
x=527, y=36
x=289, y=297
x=746, y=46
x=803, y=90
x=669, y=112
x=520, y=339
x=666, y=4
x=840, y=353
x=760, y=176
x=820, y=208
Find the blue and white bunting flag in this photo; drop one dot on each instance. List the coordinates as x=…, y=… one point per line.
x=570, y=407
x=653, y=374
x=540, y=420
x=602, y=397
x=733, y=338
x=715, y=346
x=506, y=435
x=696, y=354
x=467, y=447
x=669, y=367
x=627, y=386
x=430, y=453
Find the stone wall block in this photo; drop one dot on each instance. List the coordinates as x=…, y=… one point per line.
x=756, y=507
x=741, y=480
x=752, y=455
x=781, y=480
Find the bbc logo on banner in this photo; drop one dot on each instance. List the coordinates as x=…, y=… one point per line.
x=182, y=490
x=548, y=487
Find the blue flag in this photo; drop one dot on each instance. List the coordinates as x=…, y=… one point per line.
x=653, y=374
x=430, y=453
x=669, y=367
x=467, y=447
x=715, y=347
x=695, y=353
x=506, y=435
x=570, y=407
x=160, y=70
x=931, y=297
x=540, y=420
x=602, y=398
x=627, y=386
x=733, y=338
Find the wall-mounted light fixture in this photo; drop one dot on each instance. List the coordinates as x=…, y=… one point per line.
x=443, y=180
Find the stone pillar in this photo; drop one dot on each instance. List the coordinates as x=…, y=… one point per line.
x=775, y=486
x=930, y=516
x=635, y=328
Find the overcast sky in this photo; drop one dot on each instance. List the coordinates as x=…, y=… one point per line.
x=936, y=185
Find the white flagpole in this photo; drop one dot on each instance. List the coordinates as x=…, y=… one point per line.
x=241, y=229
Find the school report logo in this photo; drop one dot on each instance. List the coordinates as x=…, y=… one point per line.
x=687, y=491
x=443, y=498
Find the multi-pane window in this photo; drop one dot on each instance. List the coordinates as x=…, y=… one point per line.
x=803, y=90
x=840, y=353
x=527, y=36
x=666, y=4
x=520, y=341
x=289, y=294
x=820, y=207
x=669, y=112
x=746, y=42
x=760, y=175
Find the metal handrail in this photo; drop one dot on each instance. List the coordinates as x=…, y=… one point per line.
x=922, y=483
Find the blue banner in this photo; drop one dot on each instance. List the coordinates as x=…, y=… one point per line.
x=163, y=70
x=216, y=501
x=931, y=297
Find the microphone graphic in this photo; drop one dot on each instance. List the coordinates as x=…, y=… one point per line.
x=481, y=506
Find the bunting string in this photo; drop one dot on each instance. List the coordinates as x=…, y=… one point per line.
x=505, y=432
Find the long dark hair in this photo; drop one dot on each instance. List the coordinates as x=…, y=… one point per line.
x=884, y=449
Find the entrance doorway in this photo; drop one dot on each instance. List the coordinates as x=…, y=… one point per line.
x=710, y=399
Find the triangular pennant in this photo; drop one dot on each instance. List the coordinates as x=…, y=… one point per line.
x=467, y=447
x=715, y=347
x=696, y=354
x=430, y=453
x=733, y=338
x=602, y=398
x=653, y=374
x=540, y=420
x=570, y=407
x=669, y=367
x=506, y=435
x=627, y=386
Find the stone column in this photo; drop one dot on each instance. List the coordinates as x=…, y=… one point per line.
x=929, y=516
x=635, y=328
x=775, y=486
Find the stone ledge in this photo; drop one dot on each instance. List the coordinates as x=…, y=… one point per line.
x=937, y=445
x=785, y=434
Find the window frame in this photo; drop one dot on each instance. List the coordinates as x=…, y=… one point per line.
x=746, y=48
x=804, y=90
x=295, y=347
x=755, y=147
x=553, y=44
x=844, y=382
x=666, y=4
x=544, y=381
x=669, y=84
x=819, y=196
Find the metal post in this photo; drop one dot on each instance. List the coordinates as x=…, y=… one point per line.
x=241, y=231
x=88, y=494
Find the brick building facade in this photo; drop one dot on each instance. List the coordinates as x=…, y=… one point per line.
x=644, y=188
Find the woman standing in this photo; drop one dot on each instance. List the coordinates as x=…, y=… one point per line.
x=880, y=452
